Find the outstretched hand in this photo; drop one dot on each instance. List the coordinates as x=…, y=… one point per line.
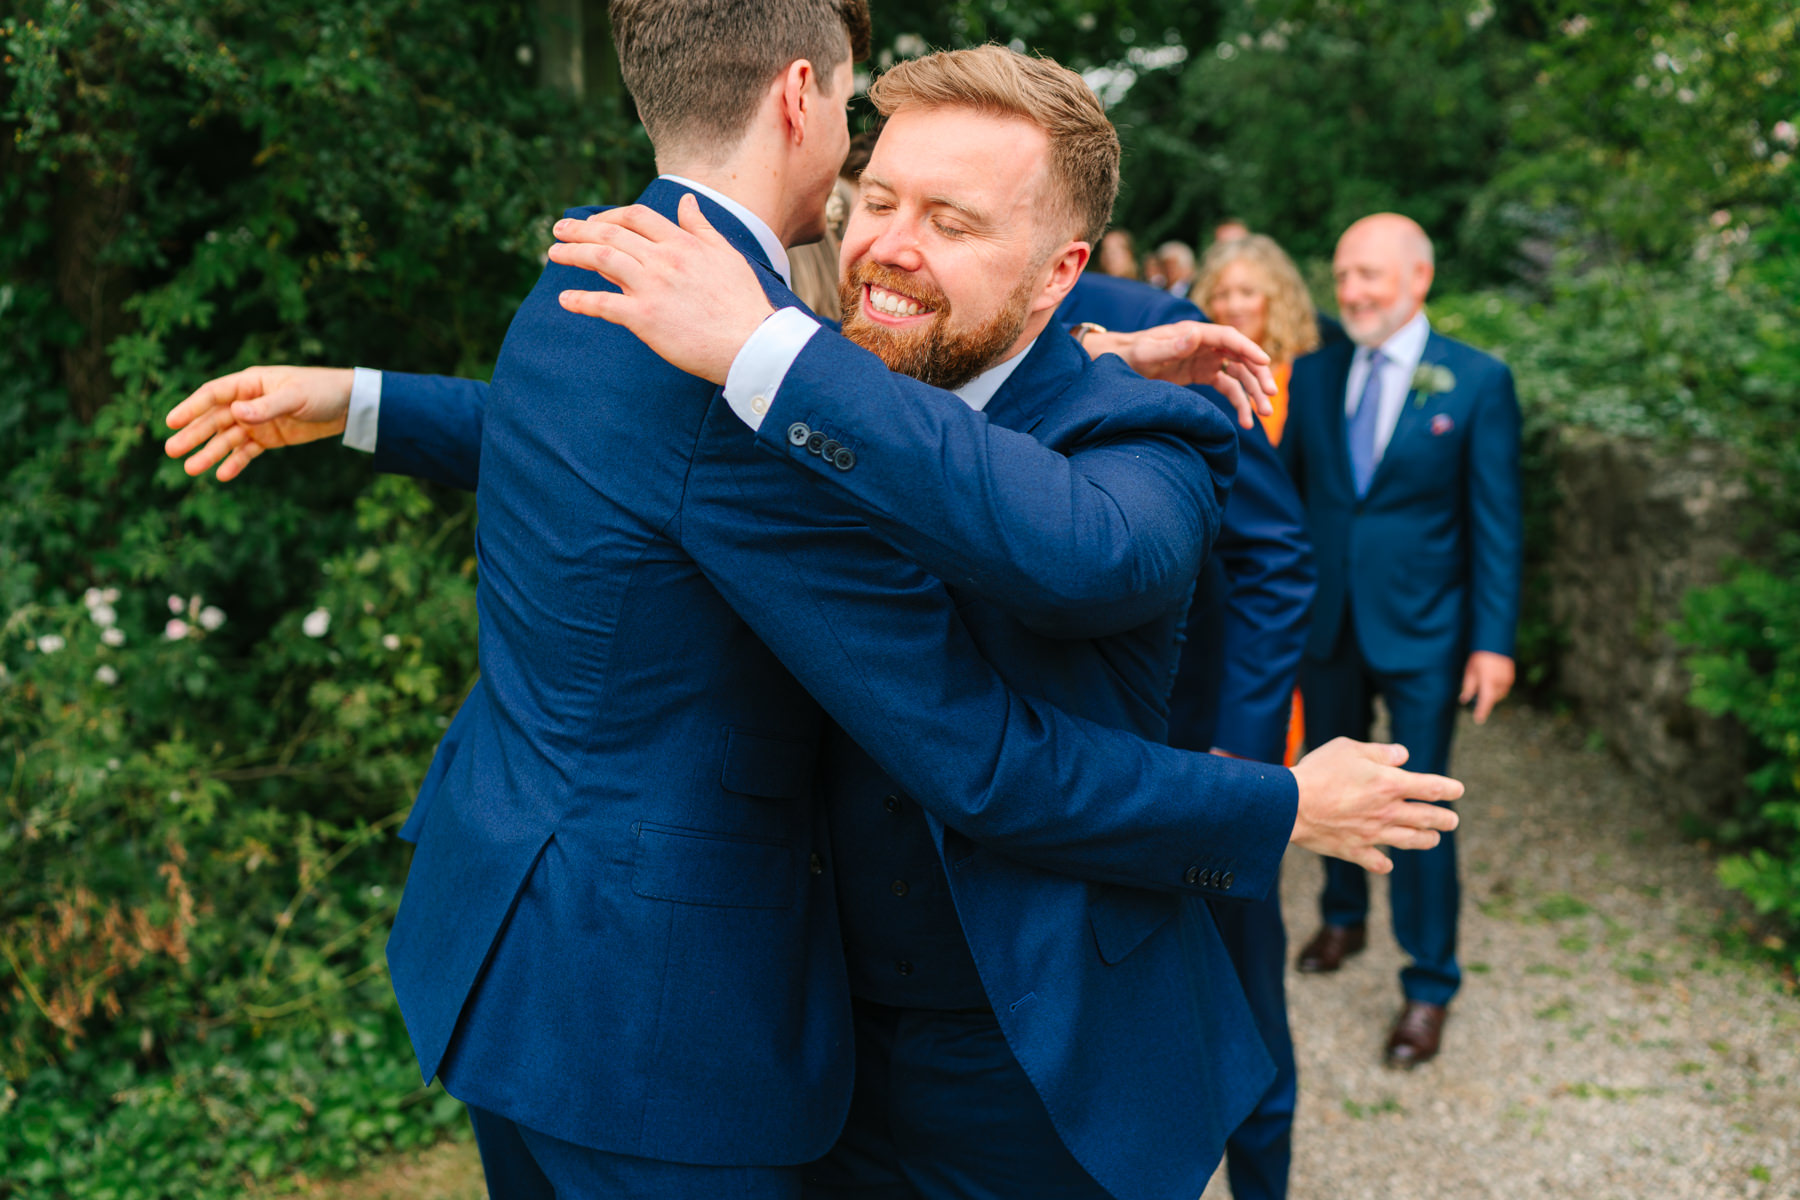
x=683, y=289
x=1355, y=798
x=1195, y=352
x=230, y=420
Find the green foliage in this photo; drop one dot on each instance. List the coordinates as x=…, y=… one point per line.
x=215, y=701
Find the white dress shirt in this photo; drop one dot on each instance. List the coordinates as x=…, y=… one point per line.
x=1401, y=353
x=763, y=361
x=365, y=391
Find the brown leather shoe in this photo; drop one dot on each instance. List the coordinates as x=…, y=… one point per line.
x=1330, y=947
x=1417, y=1032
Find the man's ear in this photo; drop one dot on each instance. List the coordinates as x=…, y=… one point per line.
x=1066, y=266
x=1423, y=274
x=800, y=98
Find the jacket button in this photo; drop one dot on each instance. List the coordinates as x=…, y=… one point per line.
x=816, y=865
x=1192, y=876
x=898, y=887
x=891, y=803
x=904, y=967
x=1226, y=882
x=798, y=433
x=844, y=459
x=828, y=450
x=815, y=441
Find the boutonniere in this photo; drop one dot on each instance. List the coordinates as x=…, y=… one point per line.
x=1429, y=380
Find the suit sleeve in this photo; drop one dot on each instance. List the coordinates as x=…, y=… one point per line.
x=430, y=428
x=1496, y=520
x=879, y=644
x=1084, y=545
x=1270, y=579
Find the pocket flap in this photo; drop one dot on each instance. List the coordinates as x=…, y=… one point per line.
x=773, y=768
x=1124, y=917
x=691, y=866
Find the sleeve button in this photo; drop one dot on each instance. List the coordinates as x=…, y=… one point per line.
x=844, y=459
x=1193, y=876
x=798, y=433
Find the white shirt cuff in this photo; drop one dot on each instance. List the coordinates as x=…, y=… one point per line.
x=760, y=366
x=365, y=411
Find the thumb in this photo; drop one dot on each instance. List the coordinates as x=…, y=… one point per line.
x=1469, y=684
x=282, y=402
x=690, y=217
x=1396, y=754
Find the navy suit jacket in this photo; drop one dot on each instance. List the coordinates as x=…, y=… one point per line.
x=1427, y=564
x=1248, y=620
x=618, y=926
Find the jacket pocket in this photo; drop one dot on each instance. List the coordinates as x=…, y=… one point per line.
x=1123, y=918
x=691, y=866
x=772, y=768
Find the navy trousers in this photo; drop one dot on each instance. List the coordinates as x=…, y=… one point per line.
x=1423, y=890
x=523, y=1164
x=943, y=1111
x=1259, y=1152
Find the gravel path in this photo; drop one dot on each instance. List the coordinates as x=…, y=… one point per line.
x=1601, y=1046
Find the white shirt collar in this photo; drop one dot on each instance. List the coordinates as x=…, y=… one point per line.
x=1406, y=345
x=978, y=391
x=759, y=229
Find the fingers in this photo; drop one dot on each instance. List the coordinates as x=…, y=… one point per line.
x=240, y=458
x=1415, y=785
x=282, y=402
x=608, y=306
x=216, y=449
x=1233, y=391
x=195, y=428
x=646, y=223
x=1370, y=860
x=1485, y=699
x=1257, y=385
x=695, y=222
x=1470, y=683
x=1403, y=837
x=618, y=258
x=1224, y=337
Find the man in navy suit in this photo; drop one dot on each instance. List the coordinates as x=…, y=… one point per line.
x=1232, y=696
x=595, y=1042
x=1405, y=445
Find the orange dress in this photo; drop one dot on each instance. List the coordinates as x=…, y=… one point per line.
x=1273, y=424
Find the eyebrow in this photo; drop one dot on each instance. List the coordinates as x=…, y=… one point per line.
x=975, y=215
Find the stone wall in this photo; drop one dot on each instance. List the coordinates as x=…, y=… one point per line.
x=1636, y=525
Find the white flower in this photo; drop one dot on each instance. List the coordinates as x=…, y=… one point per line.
x=390, y=641
x=50, y=643
x=176, y=605
x=113, y=637
x=176, y=629
x=211, y=617
x=106, y=675
x=103, y=614
x=316, y=623
x=110, y=596
x=91, y=597
x=1785, y=133
x=113, y=764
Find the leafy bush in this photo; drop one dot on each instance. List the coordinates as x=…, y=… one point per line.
x=215, y=701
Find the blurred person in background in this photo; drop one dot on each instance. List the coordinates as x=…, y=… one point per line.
x=1405, y=448
x=1176, y=260
x=1230, y=230
x=1118, y=256
x=1250, y=284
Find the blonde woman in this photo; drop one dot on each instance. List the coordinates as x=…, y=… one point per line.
x=1250, y=284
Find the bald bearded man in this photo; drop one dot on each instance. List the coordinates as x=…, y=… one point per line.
x=1405, y=447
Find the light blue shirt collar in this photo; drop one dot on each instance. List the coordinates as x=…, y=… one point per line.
x=759, y=229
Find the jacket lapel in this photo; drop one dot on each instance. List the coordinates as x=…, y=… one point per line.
x=1415, y=410
x=1337, y=436
x=1053, y=362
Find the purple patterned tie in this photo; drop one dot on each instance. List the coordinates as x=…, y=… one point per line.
x=1362, y=427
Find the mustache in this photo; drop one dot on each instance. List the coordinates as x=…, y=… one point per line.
x=912, y=286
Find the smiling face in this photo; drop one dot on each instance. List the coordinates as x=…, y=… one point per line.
x=952, y=261
x=1383, y=271
x=1240, y=299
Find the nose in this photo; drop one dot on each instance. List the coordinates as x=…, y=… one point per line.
x=897, y=246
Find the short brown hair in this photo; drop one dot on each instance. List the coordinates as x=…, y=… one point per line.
x=1293, y=321
x=697, y=68
x=1084, y=146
